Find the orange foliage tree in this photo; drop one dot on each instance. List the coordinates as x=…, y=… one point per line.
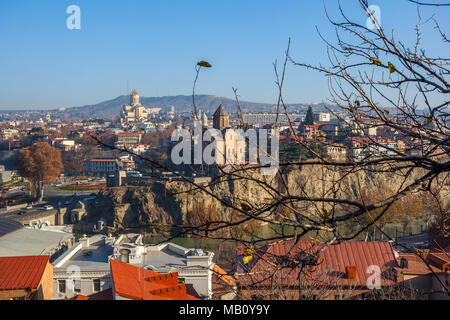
x=39, y=163
x=394, y=213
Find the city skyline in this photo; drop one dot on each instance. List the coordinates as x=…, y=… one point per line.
x=230, y=153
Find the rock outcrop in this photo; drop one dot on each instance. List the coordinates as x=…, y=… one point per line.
x=171, y=202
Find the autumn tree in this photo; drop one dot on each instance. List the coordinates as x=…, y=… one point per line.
x=413, y=209
x=157, y=137
x=438, y=223
x=201, y=214
x=402, y=211
x=73, y=160
x=39, y=163
x=151, y=138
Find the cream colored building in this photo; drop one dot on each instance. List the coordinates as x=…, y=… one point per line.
x=232, y=149
x=337, y=152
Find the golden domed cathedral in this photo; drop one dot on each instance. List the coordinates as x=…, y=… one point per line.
x=134, y=112
x=134, y=98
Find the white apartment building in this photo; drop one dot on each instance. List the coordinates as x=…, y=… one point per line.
x=100, y=166
x=84, y=269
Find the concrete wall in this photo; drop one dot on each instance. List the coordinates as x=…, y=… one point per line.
x=86, y=285
x=438, y=289
x=51, y=217
x=67, y=255
x=5, y=175
x=12, y=294
x=17, y=207
x=201, y=280
x=421, y=283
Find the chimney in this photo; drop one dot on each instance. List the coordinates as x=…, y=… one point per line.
x=84, y=241
x=398, y=275
x=404, y=263
x=351, y=272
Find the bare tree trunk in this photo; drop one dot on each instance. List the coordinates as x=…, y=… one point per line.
x=39, y=191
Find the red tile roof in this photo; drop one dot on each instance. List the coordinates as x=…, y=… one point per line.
x=141, y=284
x=358, y=139
x=222, y=283
x=415, y=265
x=223, y=275
x=128, y=133
x=279, y=262
x=440, y=260
x=22, y=272
x=102, y=295
x=79, y=297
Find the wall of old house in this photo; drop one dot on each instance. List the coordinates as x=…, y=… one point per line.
x=12, y=294
x=421, y=283
x=439, y=291
x=45, y=288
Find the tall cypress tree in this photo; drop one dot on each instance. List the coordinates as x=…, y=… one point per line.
x=309, y=120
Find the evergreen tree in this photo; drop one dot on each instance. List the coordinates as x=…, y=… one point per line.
x=309, y=120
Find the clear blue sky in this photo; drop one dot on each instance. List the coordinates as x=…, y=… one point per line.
x=155, y=44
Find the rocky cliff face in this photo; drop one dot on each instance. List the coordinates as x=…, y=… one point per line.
x=135, y=206
x=171, y=202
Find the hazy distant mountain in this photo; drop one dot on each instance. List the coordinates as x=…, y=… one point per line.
x=208, y=103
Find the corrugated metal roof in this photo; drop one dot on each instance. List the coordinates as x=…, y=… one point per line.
x=22, y=272
x=222, y=275
x=102, y=295
x=32, y=242
x=141, y=284
x=279, y=262
x=434, y=260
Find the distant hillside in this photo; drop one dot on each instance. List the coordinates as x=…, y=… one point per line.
x=208, y=103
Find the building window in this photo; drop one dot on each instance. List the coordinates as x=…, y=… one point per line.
x=182, y=280
x=97, y=285
x=77, y=286
x=62, y=286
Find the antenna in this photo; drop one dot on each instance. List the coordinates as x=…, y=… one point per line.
x=128, y=89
